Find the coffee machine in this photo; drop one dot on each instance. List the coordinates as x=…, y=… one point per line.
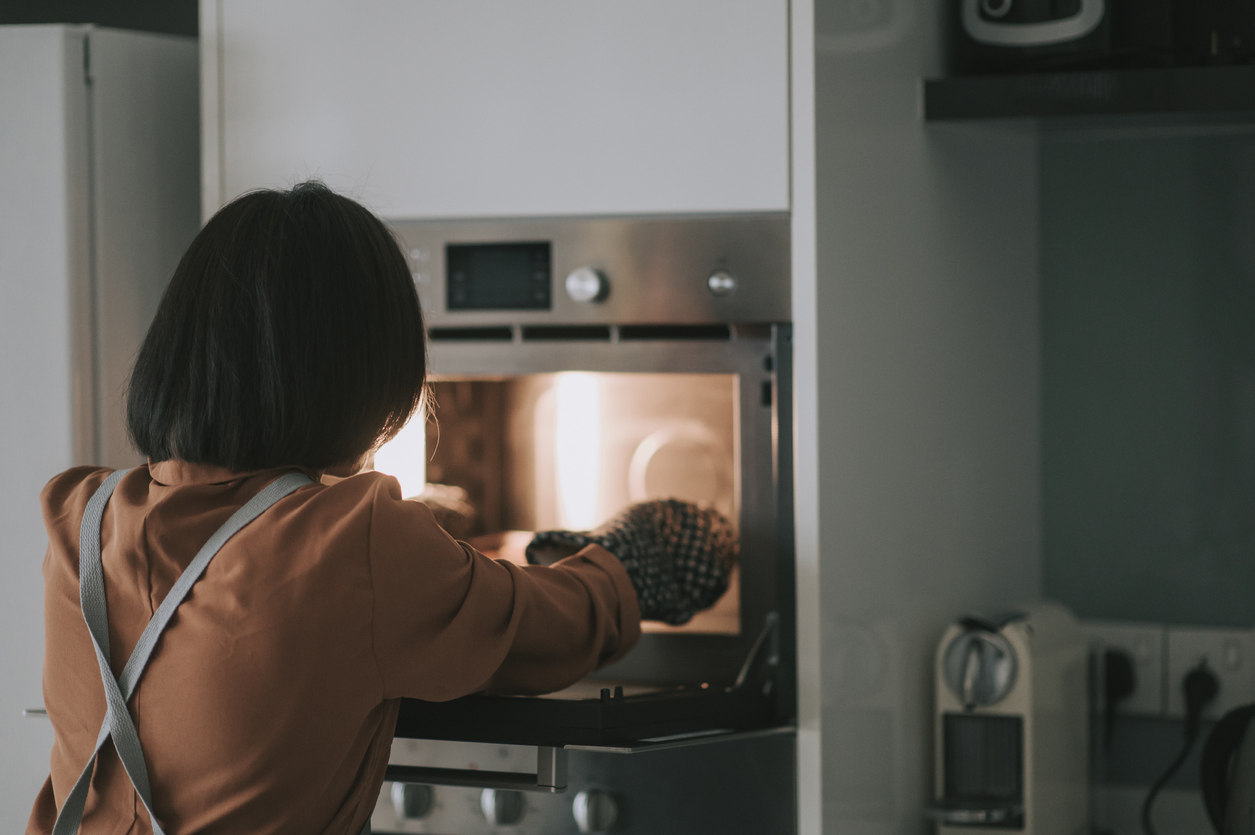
x=1012, y=724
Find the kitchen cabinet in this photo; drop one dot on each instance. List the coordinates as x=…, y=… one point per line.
x=423, y=109
x=914, y=289
x=917, y=369
x=98, y=199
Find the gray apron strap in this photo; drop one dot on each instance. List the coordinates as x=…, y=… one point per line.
x=118, y=723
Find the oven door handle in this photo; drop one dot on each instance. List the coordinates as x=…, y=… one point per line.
x=550, y=776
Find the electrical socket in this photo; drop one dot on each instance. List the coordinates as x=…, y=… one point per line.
x=1145, y=643
x=1229, y=653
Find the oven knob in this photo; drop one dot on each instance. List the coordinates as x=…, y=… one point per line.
x=594, y=811
x=502, y=807
x=412, y=801
x=996, y=8
x=587, y=285
x=721, y=283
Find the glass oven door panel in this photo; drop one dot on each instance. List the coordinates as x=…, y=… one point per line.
x=594, y=443
x=571, y=450
x=535, y=446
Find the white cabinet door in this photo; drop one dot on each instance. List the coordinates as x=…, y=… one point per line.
x=482, y=107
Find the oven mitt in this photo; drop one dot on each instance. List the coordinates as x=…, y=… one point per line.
x=677, y=555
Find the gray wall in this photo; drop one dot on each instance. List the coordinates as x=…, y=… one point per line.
x=928, y=409
x=1148, y=305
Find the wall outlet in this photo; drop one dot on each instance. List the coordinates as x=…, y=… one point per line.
x=1229, y=653
x=1146, y=645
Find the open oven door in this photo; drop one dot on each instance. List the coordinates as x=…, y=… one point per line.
x=598, y=716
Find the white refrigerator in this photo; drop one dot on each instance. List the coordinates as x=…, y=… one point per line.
x=99, y=196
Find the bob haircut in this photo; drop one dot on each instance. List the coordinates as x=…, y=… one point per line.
x=290, y=334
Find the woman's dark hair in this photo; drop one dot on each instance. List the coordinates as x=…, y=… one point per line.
x=290, y=334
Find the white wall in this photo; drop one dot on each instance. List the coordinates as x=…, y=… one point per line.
x=923, y=420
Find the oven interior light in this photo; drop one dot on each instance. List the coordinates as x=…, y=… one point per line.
x=577, y=441
x=405, y=456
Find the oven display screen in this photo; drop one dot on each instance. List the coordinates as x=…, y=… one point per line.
x=506, y=276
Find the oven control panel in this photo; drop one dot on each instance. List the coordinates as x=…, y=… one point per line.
x=452, y=809
x=744, y=785
x=601, y=271
x=455, y=810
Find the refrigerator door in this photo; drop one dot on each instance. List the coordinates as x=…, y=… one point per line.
x=146, y=195
x=44, y=330
x=99, y=195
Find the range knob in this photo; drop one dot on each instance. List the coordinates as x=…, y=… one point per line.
x=501, y=807
x=412, y=801
x=587, y=284
x=721, y=283
x=594, y=811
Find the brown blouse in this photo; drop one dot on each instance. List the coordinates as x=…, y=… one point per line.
x=270, y=701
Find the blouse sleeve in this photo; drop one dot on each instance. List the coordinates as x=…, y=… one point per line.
x=449, y=621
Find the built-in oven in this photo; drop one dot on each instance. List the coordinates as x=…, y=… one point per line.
x=579, y=366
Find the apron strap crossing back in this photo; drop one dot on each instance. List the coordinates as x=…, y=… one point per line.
x=118, y=724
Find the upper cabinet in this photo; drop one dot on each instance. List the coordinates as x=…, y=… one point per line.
x=478, y=108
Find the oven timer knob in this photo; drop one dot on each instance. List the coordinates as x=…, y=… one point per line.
x=501, y=807
x=411, y=801
x=721, y=283
x=587, y=284
x=594, y=811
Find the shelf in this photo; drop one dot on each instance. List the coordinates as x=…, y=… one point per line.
x=1193, y=95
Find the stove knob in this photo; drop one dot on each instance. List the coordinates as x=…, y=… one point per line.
x=502, y=807
x=587, y=285
x=594, y=811
x=412, y=801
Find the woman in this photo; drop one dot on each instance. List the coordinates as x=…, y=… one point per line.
x=288, y=346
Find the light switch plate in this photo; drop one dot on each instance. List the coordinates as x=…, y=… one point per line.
x=1229, y=653
x=1145, y=644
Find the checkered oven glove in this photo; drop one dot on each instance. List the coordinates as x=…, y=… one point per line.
x=678, y=555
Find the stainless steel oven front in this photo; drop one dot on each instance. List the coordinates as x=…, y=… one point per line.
x=578, y=366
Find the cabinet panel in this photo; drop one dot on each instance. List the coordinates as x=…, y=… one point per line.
x=425, y=109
